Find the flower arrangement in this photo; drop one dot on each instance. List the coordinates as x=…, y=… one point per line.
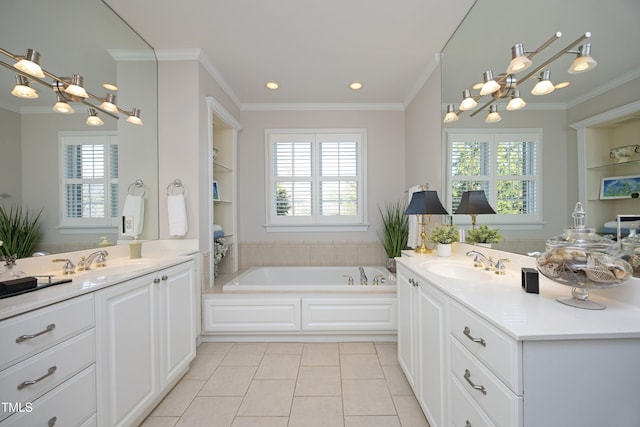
x=484, y=234
x=445, y=234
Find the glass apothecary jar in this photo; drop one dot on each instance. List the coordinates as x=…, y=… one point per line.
x=631, y=251
x=582, y=259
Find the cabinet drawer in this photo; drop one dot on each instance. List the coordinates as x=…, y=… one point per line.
x=70, y=404
x=499, y=403
x=29, y=333
x=464, y=411
x=501, y=354
x=48, y=368
x=251, y=315
x=357, y=314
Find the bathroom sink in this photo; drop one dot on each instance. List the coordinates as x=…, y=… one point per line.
x=124, y=266
x=457, y=270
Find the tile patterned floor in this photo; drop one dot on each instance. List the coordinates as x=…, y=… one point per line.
x=356, y=384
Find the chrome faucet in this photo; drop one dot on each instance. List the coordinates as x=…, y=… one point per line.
x=363, y=276
x=99, y=256
x=482, y=261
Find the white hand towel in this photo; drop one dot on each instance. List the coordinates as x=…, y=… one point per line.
x=133, y=212
x=177, y=215
x=217, y=227
x=414, y=228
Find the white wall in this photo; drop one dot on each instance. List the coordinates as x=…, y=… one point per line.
x=11, y=158
x=385, y=166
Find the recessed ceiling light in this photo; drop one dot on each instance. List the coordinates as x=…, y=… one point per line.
x=272, y=85
x=561, y=85
x=109, y=86
x=355, y=85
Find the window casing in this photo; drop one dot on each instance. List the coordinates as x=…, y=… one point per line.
x=505, y=164
x=315, y=178
x=89, y=180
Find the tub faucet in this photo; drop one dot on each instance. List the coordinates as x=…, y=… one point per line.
x=98, y=256
x=363, y=276
x=481, y=260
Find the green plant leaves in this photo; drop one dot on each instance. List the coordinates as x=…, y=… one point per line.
x=19, y=231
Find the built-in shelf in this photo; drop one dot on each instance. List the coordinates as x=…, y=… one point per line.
x=221, y=168
x=222, y=202
x=618, y=165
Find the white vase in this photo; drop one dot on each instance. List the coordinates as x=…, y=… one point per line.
x=443, y=249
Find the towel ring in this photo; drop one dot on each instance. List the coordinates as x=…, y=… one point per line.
x=175, y=188
x=136, y=185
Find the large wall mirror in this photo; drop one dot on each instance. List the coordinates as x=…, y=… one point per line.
x=484, y=41
x=87, y=38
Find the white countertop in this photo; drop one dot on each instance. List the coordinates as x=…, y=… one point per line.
x=524, y=316
x=156, y=254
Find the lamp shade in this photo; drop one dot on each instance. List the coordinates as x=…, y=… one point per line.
x=474, y=202
x=425, y=202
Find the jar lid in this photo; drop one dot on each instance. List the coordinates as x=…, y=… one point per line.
x=582, y=237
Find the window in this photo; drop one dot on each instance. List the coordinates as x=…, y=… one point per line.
x=503, y=164
x=315, y=178
x=89, y=184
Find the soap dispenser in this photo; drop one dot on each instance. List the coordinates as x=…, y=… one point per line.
x=135, y=248
x=104, y=242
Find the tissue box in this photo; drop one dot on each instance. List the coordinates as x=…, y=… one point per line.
x=8, y=287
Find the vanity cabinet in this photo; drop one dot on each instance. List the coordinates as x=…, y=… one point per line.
x=468, y=367
x=146, y=339
x=48, y=359
x=422, y=342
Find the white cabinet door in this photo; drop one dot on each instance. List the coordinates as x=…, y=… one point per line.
x=177, y=319
x=433, y=353
x=406, y=324
x=126, y=356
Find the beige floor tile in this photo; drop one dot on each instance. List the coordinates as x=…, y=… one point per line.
x=278, y=367
x=284, y=348
x=316, y=412
x=210, y=412
x=360, y=367
x=387, y=353
x=318, y=381
x=214, y=348
x=409, y=411
x=244, y=354
x=160, y=422
x=356, y=348
x=372, y=421
x=320, y=354
x=267, y=398
x=202, y=367
x=229, y=381
x=397, y=382
x=178, y=399
x=367, y=397
x=260, y=422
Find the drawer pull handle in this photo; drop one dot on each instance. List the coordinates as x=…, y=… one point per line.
x=413, y=282
x=480, y=341
x=31, y=382
x=49, y=328
x=52, y=422
x=480, y=388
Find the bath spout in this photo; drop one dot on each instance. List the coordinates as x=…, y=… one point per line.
x=363, y=276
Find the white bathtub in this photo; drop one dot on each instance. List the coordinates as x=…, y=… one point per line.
x=310, y=280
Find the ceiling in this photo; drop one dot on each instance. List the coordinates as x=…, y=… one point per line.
x=313, y=49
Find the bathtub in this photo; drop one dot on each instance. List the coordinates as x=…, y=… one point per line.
x=310, y=280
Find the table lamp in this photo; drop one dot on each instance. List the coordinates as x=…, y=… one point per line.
x=425, y=203
x=474, y=203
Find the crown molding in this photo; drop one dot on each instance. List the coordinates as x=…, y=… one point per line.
x=612, y=84
x=321, y=107
x=132, y=54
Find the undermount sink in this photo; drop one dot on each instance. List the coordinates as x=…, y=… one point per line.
x=125, y=266
x=457, y=270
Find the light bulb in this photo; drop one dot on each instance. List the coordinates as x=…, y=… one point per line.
x=467, y=101
x=451, y=115
x=490, y=85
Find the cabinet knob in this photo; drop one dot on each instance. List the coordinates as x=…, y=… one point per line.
x=52, y=421
x=156, y=280
x=467, y=423
x=165, y=277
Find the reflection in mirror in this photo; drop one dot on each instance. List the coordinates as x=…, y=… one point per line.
x=43, y=150
x=485, y=40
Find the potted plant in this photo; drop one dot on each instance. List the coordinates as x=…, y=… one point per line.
x=19, y=231
x=484, y=236
x=395, y=231
x=443, y=236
